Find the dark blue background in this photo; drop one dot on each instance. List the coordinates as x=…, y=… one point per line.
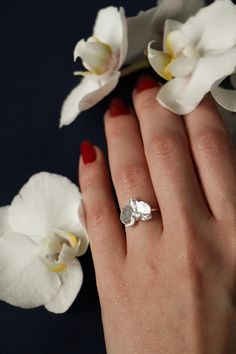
x=36, y=43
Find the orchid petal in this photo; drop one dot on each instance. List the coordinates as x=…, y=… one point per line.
x=176, y=41
x=136, y=24
x=159, y=61
x=82, y=244
x=179, y=10
x=209, y=69
x=90, y=91
x=225, y=98
x=182, y=66
x=170, y=94
x=25, y=279
x=213, y=27
x=71, y=105
x=71, y=283
x=233, y=80
x=46, y=202
x=96, y=56
x=80, y=232
x=111, y=28
x=66, y=255
x=170, y=26
x=124, y=40
x=101, y=88
x=3, y=219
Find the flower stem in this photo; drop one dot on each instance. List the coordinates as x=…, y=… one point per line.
x=143, y=64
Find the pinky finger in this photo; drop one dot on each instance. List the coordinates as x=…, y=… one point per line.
x=107, y=238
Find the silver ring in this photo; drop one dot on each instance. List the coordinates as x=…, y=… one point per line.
x=135, y=211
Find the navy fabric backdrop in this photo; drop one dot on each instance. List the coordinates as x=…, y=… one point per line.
x=36, y=43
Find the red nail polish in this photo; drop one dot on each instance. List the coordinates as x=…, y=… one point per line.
x=145, y=82
x=118, y=107
x=88, y=152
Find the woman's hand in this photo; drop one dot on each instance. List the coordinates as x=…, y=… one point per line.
x=166, y=285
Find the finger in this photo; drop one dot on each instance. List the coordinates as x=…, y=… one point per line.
x=130, y=172
x=168, y=155
x=106, y=235
x=214, y=157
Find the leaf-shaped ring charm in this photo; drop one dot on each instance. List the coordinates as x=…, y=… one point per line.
x=127, y=216
x=135, y=211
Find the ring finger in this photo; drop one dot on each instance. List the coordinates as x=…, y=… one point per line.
x=130, y=172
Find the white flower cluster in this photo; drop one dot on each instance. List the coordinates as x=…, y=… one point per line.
x=191, y=46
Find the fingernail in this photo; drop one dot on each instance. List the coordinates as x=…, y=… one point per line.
x=87, y=151
x=145, y=82
x=118, y=107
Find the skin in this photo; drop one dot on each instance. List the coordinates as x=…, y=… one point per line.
x=166, y=285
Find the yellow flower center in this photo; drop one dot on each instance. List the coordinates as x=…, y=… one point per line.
x=96, y=56
x=171, y=57
x=59, y=250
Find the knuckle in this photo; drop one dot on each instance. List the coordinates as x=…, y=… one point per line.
x=130, y=175
x=193, y=257
x=166, y=143
x=191, y=263
x=190, y=271
x=213, y=140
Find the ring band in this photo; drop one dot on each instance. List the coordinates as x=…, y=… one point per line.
x=135, y=211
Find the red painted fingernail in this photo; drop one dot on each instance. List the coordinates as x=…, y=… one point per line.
x=118, y=107
x=145, y=82
x=88, y=152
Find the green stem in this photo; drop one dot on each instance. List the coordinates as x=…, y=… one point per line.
x=143, y=64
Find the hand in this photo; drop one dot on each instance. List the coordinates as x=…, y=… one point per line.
x=166, y=285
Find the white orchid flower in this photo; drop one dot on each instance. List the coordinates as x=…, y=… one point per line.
x=102, y=55
x=197, y=56
x=107, y=50
x=149, y=25
x=41, y=234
